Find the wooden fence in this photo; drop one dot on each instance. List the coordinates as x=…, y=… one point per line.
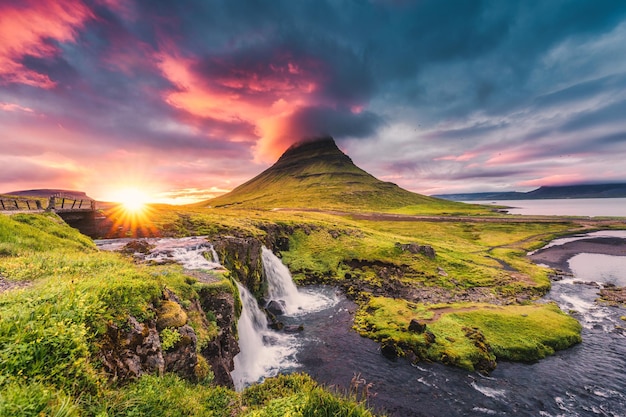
x=54, y=203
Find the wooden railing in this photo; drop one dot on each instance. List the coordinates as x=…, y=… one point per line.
x=55, y=203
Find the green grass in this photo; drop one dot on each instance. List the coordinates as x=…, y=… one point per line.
x=469, y=335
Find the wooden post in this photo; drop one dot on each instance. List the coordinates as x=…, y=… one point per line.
x=51, y=203
x=73, y=204
x=38, y=204
x=16, y=206
x=27, y=204
x=2, y=201
x=80, y=204
x=63, y=203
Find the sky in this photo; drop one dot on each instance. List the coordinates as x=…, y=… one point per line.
x=184, y=100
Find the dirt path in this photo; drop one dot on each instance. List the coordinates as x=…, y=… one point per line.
x=6, y=285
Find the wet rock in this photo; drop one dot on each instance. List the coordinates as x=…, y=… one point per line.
x=389, y=350
x=220, y=351
x=276, y=307
x=242, y=257
x=416, y=326
x=293, y=328
x=136, y=246
x=613, y=295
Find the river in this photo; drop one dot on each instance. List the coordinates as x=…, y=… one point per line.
x=592, y=207
x=586, y=380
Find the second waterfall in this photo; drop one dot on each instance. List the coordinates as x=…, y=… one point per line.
x=263, y=351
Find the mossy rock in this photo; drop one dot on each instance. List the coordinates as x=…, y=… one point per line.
x=170, y=314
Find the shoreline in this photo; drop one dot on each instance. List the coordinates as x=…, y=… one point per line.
x=557, y=257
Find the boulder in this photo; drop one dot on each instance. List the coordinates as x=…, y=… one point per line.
x=415, y=248
x=170, y=314
x=276, y=307
x=132, y=351
x=417, y=327
x=182, y=358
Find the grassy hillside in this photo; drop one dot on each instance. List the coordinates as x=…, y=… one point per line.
x=317, y=175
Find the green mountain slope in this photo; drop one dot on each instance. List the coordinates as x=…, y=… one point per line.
x=317, y=175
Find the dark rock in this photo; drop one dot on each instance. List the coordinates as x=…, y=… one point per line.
x=242, y=257
x=293, y=328
x=415, y=248
x=429, y=336
x=182, y=358
x=277, y=325
x=220, y=351
x=276, y=307
x=132, y=351
x=416, y=326
x=389, y=350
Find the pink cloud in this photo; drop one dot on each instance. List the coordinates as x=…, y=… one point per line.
x=555, y=179
x=24, y=30
x=458, y=158
x=264, y=94
x=12, y=107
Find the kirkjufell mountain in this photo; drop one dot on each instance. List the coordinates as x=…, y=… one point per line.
x=318, y=175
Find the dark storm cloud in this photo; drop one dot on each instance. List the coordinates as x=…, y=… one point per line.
x=314, y=122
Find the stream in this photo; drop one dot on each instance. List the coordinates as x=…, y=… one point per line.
x=586, y=380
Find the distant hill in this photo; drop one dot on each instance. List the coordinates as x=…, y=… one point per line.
x=547, y=192
x=317, y=175
x=47, y=192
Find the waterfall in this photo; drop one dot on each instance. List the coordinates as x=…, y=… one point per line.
x=216, y=258
x=263, y=352
x=185, y=251
x=282, y=289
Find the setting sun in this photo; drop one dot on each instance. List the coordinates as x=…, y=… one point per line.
x=132, y=199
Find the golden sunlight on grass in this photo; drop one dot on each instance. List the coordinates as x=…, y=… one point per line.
x=132, y=213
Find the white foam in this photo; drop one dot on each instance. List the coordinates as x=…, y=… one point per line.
x=489, y=392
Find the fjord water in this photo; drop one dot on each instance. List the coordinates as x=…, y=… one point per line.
x=592, y=207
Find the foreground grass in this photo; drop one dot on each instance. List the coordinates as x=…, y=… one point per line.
x=52, y=325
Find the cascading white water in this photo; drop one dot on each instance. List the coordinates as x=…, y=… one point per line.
x=263, y=352
x=281, y=288
x=188, y=252
x=216, y=258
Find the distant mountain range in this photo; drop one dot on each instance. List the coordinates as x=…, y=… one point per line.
x=546, y=192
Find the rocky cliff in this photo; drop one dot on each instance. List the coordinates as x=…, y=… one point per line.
x=170, y=342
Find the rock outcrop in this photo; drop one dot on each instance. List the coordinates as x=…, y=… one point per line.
x=170, y=344
x=242, y=257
